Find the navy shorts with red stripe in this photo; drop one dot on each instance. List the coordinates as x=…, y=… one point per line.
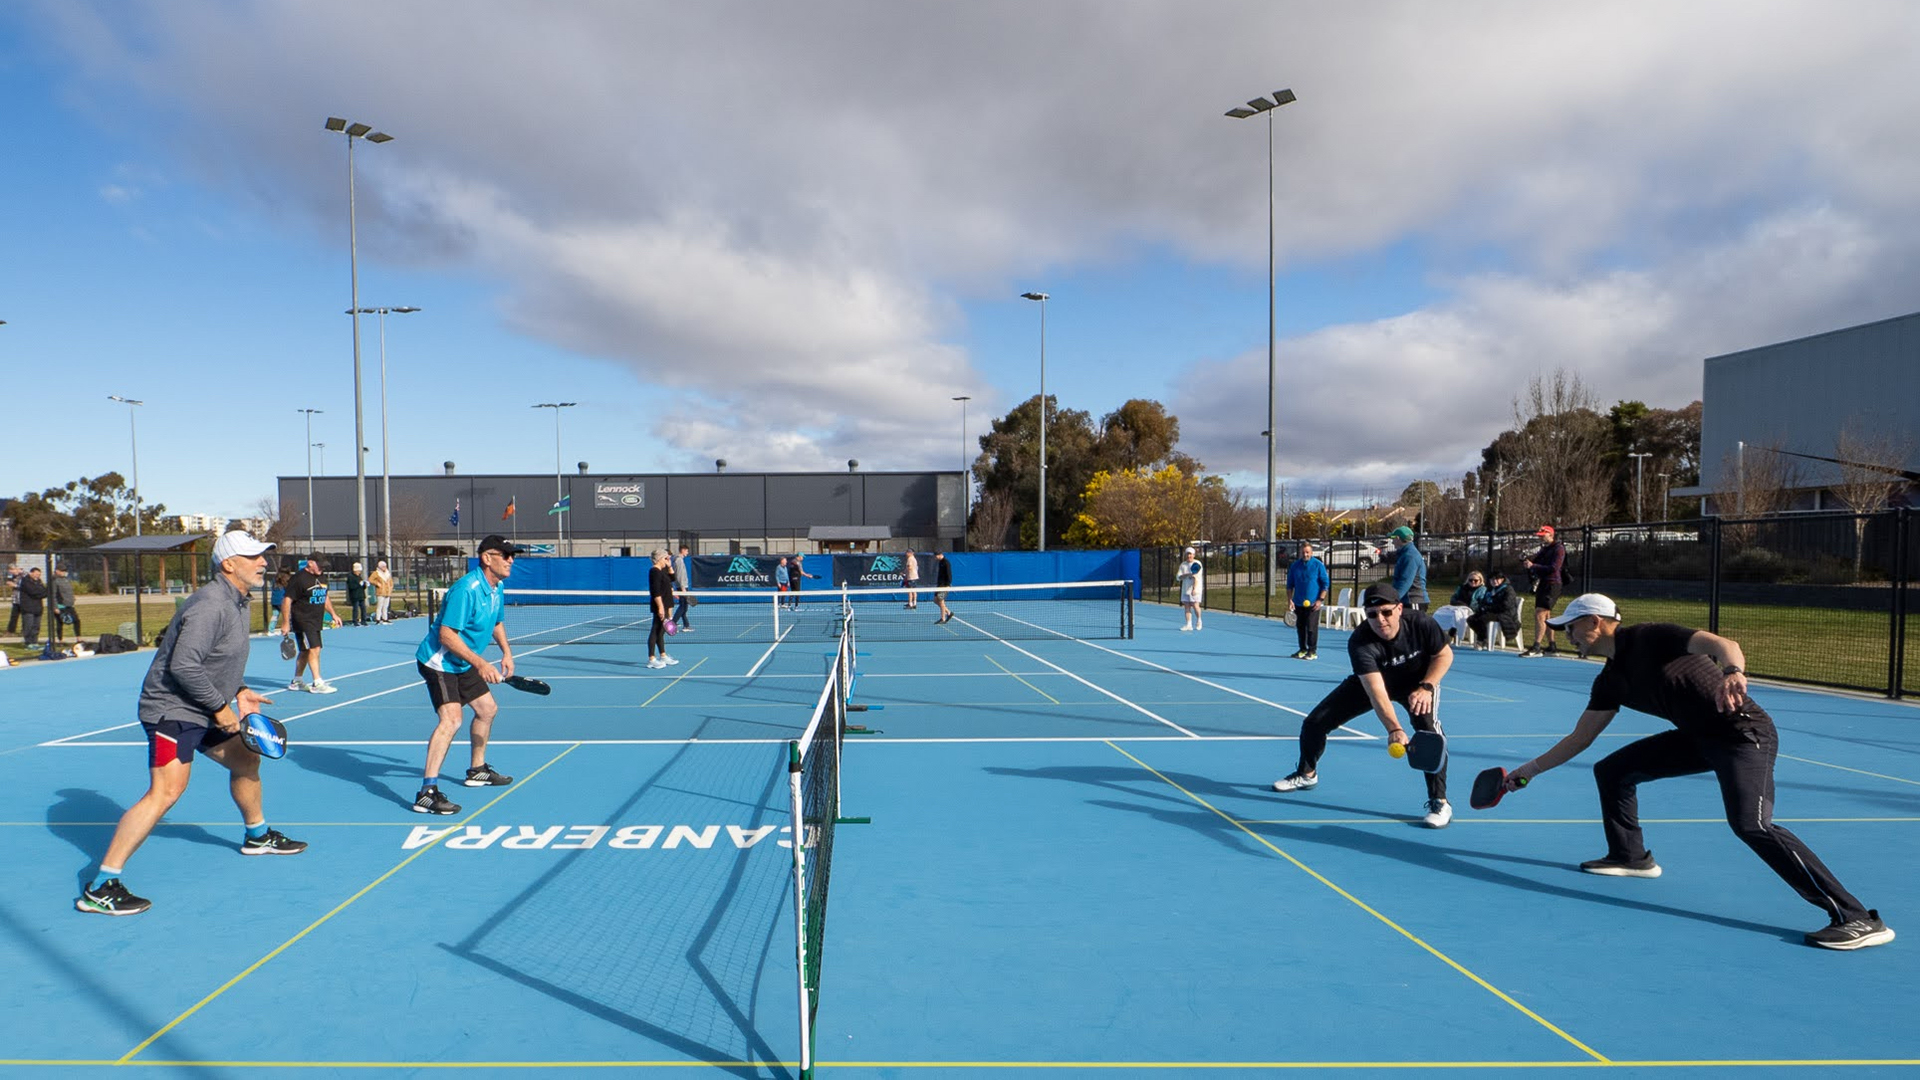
x=173, y=740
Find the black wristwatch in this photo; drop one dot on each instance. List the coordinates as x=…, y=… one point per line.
x=1733, y=669
x=1427, y=686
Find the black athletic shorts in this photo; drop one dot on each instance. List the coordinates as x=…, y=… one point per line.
x=1545, y=596
x=306, y=631
x=173, y=740
x=453, y=687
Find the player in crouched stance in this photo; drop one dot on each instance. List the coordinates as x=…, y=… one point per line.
x=1697, y=682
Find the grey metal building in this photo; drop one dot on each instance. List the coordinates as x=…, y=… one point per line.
x=1800, y=395
x=616, y=513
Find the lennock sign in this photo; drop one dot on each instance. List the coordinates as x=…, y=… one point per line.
x=619, y=495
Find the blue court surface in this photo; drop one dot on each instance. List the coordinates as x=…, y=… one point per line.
x=1075, y=866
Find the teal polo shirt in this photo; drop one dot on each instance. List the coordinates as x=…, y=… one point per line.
x=473, y=608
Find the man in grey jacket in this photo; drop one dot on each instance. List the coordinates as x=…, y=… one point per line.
x=64, y=613
x=192, y=700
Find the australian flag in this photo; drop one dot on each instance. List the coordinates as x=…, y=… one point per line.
x=453, y=519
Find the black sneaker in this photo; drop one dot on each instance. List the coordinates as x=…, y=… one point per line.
x=273, y=843
x=1644, y=866
x=484, y=776
x=1853, y=934
x=430, y=801
x=1530, y=651
x=1311, y=656
x=1300, y=654
x=112, y=898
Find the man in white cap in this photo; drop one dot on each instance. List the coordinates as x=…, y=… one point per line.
x=193, y=699
x=1697, y=682
x=1193, y=587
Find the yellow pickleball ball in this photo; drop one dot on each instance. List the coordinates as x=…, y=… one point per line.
x=1398, y=750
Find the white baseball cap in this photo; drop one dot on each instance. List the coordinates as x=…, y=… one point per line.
x=238, y=543
x=1592, y=603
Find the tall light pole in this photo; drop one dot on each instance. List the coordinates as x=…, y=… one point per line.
x=1639, y=460
x=386, y=473
x=356, y=131
x=322, y=447
x=556, y=406
x=1041, y=299
x=966, y=473
x=1663, y=496
x=1256, y=107
x=310, y=514
x=133, y=433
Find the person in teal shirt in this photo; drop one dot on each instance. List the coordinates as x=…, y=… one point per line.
x=1409, y=570
x=458, y=676
x=1307, y=584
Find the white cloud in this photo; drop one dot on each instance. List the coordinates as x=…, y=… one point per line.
x=775, y=213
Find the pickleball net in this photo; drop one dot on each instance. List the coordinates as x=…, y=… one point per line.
x=813, y=781
x=1071, y=609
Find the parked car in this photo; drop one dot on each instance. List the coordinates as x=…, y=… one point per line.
x=1348, y=552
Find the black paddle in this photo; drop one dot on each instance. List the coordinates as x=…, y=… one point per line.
x=1427, y=751
x=1490, y=787
x=264, y=735
x=288, y=650
x=528, y=686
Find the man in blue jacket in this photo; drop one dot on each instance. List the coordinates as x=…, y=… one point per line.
x=1307, y=583
x=1409, y=570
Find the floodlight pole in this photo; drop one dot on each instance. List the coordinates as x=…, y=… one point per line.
x=1041, y=299
x=1256, y=107
x=560, y=535
x=309, y=412
x=386, y=477
x=1639, y=459
x=356, y=131
x=133, y=432
x=966, y=473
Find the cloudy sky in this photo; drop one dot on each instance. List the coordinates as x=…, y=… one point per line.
x=790, y=234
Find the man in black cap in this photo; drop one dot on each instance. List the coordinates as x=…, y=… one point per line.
x=1398, y=655
x=458, y=676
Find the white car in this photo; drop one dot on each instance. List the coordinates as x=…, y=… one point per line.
x=1348, y=552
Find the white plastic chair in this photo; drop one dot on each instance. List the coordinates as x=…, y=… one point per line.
x=1345, y=615
x=1497, y=635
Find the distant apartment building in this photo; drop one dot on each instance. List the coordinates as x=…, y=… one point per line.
x=201, y=523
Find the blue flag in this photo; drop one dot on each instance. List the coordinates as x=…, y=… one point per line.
x=565, y=504
x=454, y=518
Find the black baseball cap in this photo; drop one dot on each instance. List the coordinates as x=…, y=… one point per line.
x=498, y=543
x=1380, y=593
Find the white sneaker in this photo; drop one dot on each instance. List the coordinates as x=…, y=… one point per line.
x=319, y=687
x=1296, y=781
x=1184, y=629
x=653, y=663
x=667, y=661
x=1439, y=813
x=1199, y=626
x=295, y=686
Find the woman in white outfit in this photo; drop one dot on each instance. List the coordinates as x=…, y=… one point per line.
x=910, y=576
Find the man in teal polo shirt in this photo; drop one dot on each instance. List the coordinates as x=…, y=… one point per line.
x=458, y=676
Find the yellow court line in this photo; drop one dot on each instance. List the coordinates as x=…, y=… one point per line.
x=342, y=906
x=1023, y=681
x=671, y=683
x=1843, y=768
x=1576, y=1063
x=1362, y=905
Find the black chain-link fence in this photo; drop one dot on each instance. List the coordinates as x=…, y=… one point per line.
x=134, y=595
x=1829, y=599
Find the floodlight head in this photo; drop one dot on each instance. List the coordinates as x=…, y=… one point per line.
x=1283, y=97
x=405, y=310
x=354, y=131
x=1259, y=104
x=1241, y=114
x=379, y=137
x=334, y=123
x=1033, y=296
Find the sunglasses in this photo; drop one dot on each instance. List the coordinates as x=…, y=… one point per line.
x=1380, y=612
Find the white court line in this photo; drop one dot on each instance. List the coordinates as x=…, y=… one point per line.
x=67, y=739
x=768, y=655
x=861, y=740
x=1161, y=667
x=1082, y=681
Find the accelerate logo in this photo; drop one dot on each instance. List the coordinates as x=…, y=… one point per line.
x=743, y=564
x=886, y=564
